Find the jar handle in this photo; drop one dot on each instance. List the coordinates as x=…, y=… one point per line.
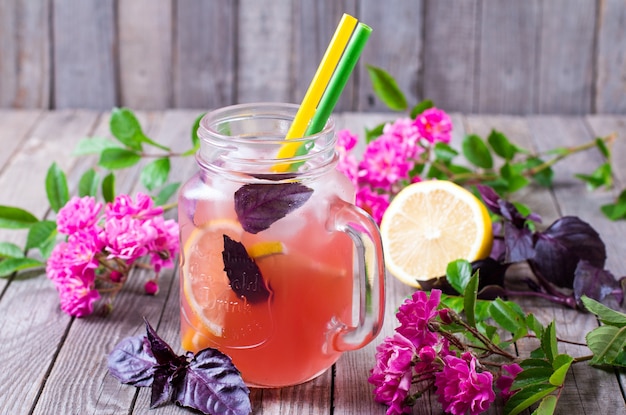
x=369, y=275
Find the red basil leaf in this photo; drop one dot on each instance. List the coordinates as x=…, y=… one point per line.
x=258, y=206
x=213, y=385
x=597, y=284
x=560, y=247
x=161, y=351
x=131, y=362
x=161, y=388
x=243, y=273
x=518, y=243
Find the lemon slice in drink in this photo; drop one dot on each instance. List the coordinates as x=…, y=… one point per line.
x=429, y=224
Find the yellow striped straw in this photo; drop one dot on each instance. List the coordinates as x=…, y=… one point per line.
x=316, y=88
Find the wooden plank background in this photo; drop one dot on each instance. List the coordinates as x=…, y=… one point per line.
x=470, y=56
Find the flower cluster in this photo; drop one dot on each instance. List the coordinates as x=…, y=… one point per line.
x=392, y=160
x=421, y=355
x=102, y=248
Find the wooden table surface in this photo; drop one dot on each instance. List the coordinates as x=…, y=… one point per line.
x=54, y=364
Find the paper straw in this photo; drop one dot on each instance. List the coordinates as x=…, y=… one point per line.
x=317, y=86
x=339, y=79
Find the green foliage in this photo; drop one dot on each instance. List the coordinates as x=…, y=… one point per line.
x=607, y=342
x=56, y=187
x=42, y=236
x=155, y=174
x=477, y=152
x=16, y=218
x=386, y=88
x=88, y=184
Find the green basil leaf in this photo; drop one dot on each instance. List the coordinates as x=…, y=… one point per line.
x=445, y=152
x=469, y=303
x=10, y=250
x=603, y=148
x=476, y=151
x=602, y=176
x=108, y=187
x=93, y=145
x=56, y=187
x=11, y=265
x=126, y=128
x=88, y=184
x=118, y=158
x=501, y=145
x=508, y=317
x=166, y=193
x=16, y=218
x=155, y=174
x=526, y=397
x=386, y=89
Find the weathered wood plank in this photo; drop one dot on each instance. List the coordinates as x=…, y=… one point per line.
x=449, y=59
x=507, y=61
x=30, y=306
x=399, y=23
x=84, y=55
x=145, y=53
x=610, y=84
x=265, y=36
x=565, y=64
x=25, y=44
x=204, y=62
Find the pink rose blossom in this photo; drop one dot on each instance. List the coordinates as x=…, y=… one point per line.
x=73, y=257
x=505, y=381
x=349, y=166
x=78, y=214
x=164, y=247
x=460, y=388
x=127, y=238
x=151, y=287
x=434, y=125
x=78, y=295
x=124, y=206
x=346, y=140
x=406, y=134
x=392, y=374
x=415, y=314
x=384, y=163
x=372, y=202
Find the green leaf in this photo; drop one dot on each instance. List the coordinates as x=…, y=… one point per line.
x=16, y=218
x=445, y=152
x=549, y=343
x=56, y=187
x=501, y=145
x=547, y=406
x=11, y=265
x=126, y=128
x=533, y=324
x=195, y=139
x=561, y=365
x=166, y=193
x=10, y=250
x=421, y=107
x=155, y=174
x=108, y=187
x=458, y=274
x=603, y=148
x=386, y=89
x=606, y=343
x=602, y=176
x=543, y=177
x=605, y=314
x=508, y=317
x=476, y=151
x=93, y=145
x=526, y=397
x=617, y=210
x=532, y=376
x=88, y=184
x=469, y=303
x=374, y=133
x=41, y=233
x=514, y=180
x=118, y=158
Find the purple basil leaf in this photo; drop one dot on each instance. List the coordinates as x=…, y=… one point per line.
x=518, y=243
x=258, y=206
x=131, y=362
x=243, y=273
x=490, y=197
x=597, y=284
x=560, y=247
x=490, y=272
x=213, y=385
x=161, y=351
x=162, y=389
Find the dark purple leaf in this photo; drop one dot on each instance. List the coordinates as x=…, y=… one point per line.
x=243, y=273
x=131, y=362
x=162, y=390
x=258, y=206
x=490, y=272
x=213, y=385
x=161, y=351
x=560, y=247
x=490, y=197
x=597, y=284
x=518, y=243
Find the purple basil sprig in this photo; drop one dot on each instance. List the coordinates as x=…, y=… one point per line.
x=243, y=273
x=567, y=258
x=258, y=206
x=207, y=381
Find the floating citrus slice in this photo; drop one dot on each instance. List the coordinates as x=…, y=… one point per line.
x=429, y=224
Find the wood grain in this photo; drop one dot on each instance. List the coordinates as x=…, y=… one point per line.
x=610, y=80
x=84, y=54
